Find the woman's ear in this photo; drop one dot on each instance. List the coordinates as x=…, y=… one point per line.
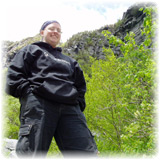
x=42, y=33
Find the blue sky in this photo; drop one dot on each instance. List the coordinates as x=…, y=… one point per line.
x=23, y=18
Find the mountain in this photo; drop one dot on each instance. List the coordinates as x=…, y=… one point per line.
x=89, y=43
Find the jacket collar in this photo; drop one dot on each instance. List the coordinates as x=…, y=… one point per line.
x=47, y=46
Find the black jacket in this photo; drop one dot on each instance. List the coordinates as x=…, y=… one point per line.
x=45, y=71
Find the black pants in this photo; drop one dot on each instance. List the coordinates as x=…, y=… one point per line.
x=42, y=120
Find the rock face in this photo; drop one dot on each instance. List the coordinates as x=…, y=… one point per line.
x=132, y=21
x=9, y=49
x=87, y=42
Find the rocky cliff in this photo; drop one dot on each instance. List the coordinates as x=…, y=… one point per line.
x=92, y=42
x=89, y=42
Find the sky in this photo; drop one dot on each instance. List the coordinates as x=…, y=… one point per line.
x=23, y=18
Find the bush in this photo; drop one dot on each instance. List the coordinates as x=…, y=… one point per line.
x=11, y=117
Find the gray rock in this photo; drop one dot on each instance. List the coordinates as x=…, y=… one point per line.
x=9, y=147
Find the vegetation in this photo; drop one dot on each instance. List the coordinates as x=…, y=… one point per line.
x=118, y=24
x=121, y=104
x=120, y=98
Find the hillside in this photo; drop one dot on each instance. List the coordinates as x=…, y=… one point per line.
x=89, y=42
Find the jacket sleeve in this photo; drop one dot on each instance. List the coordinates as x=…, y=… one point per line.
x=80, y=85
x=17, y=84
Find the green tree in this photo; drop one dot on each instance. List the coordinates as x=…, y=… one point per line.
x=120, y=99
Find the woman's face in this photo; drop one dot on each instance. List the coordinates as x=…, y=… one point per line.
x=52, y=34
